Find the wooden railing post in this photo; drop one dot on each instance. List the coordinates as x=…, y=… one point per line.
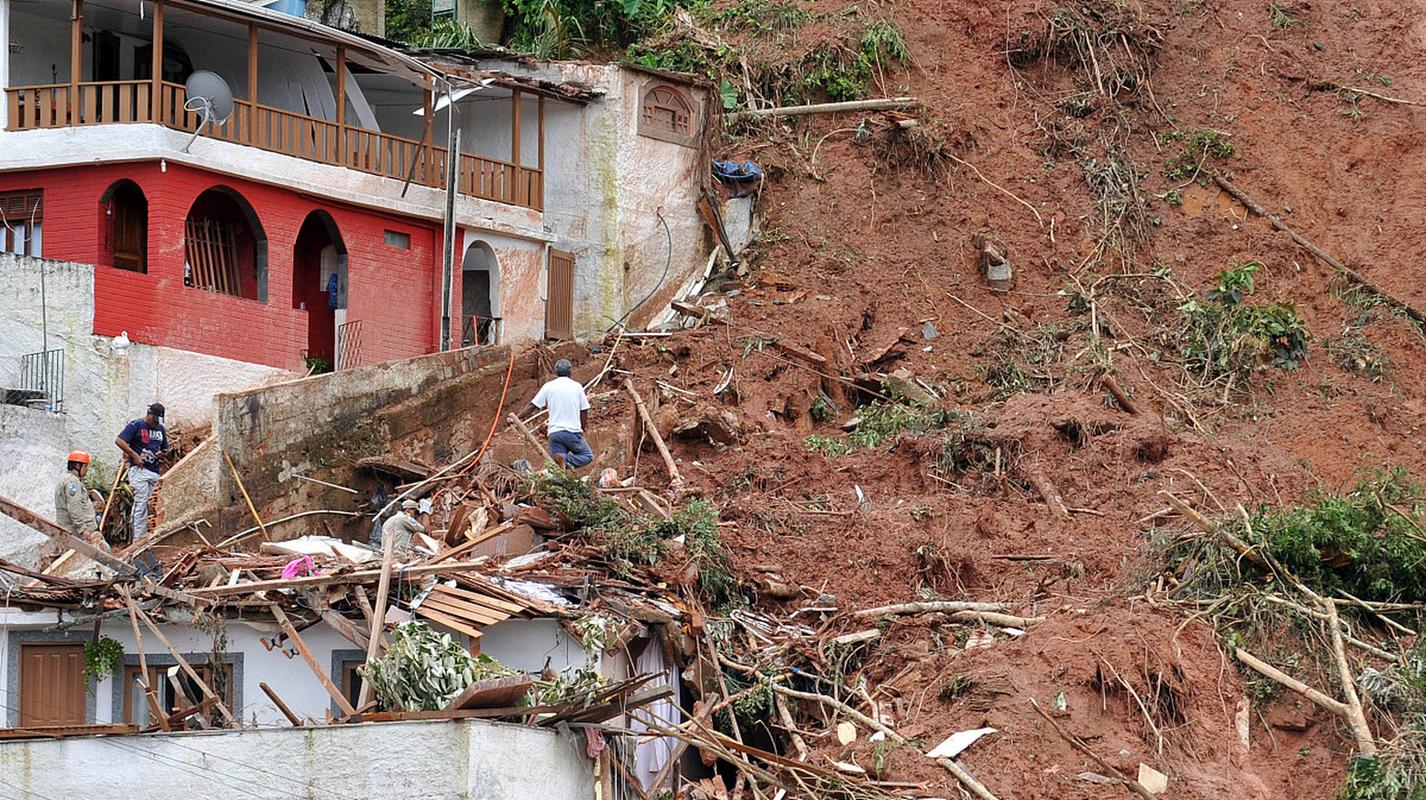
x=513, y=194
x=342, y=105
x=252, y=137
x=540, y=206
x=428, y=136
x=156, y=64
x=76, y=58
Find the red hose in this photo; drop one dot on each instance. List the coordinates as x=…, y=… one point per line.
x=499, y=408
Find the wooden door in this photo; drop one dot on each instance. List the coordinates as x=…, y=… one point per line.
x=51, y=685
x=559, y=298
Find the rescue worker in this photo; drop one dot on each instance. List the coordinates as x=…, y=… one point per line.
x=569, y=411
x=400, y=527
x=73, y=508
x=142, y=441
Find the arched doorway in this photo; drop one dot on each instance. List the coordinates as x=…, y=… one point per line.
x=319, y=286
x=480, y=296
x=225, y=248
x=125, y=225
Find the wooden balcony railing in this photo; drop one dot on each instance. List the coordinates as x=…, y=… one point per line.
x=278, y=131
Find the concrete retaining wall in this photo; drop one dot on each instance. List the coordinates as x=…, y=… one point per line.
x=31, y=444
x=467, y=760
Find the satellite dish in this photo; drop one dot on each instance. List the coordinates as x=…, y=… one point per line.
x=210, y=96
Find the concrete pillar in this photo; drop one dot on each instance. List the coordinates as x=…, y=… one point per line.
x=485, y=17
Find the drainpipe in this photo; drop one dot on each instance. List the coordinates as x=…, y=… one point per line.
x=449, y=245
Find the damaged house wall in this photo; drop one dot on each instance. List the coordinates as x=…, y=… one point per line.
x=607, y=186
x=440, y=760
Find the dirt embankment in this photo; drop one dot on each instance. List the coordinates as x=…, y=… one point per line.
x=1057, y=145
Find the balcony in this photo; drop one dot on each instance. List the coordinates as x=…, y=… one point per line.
x=355, y=101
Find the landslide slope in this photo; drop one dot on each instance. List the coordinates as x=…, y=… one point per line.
x=1081, y=139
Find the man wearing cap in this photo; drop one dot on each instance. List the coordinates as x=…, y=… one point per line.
x=142, y=440
x=401, y=526
x=73, y=507
x=569, y=409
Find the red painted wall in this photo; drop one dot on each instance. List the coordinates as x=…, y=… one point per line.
x=394, y=292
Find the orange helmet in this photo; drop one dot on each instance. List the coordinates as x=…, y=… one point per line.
x=81, y=456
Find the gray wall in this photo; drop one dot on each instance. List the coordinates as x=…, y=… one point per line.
x=474, y=760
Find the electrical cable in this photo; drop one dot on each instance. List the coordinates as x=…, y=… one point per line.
x=668, y=262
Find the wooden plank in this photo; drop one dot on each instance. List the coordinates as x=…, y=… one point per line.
x=182, y=662
x=448, y=621
x=474, y=615
x=325, y=679
x=58, y=732
x=493, y=693
x=360, y=576
x=155, y=711
x=53, y=530
x=493, y=603
x=281, y=706
x=364, y=604
x=378, y=614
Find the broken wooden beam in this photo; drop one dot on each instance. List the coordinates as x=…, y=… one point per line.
x=531, y=439
x=805, y=356
x=378, y=618
x=360, y=576
x=182, y=662
x=251, y=508
x=675, y=478
x=322, y=677
x=875, y=104
x=281, y=706
x=56, y=532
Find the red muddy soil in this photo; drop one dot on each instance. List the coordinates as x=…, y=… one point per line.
x=881, y=247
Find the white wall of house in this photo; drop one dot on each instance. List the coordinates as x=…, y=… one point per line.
x=441, y=760
x=517, y=643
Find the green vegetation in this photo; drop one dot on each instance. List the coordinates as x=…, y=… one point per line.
x=839, y=66
x=1221, y=336
x=407, y=20
x=880, y=422
x=821, y=409
x=631, y=541
x=423, y=670
x=100, y=659
x=448, y=34
x=1368, y=542
x=1281, y=15
x=1197, y=148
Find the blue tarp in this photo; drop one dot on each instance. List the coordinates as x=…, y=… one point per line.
x=743, y=178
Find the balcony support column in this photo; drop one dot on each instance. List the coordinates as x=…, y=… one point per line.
x=342, y=106
x=76, y=57
x=156, y=64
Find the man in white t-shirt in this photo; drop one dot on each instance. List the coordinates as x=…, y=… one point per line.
x=568, y=406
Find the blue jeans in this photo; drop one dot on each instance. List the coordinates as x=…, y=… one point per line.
x=572, y=446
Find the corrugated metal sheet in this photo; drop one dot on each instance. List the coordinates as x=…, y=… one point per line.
x=559, y=302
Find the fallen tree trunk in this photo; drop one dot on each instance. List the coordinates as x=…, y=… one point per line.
x=1350, y=274
x=933, y=606
x=878, y=104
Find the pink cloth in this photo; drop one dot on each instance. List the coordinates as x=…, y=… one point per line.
x=299, y=567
